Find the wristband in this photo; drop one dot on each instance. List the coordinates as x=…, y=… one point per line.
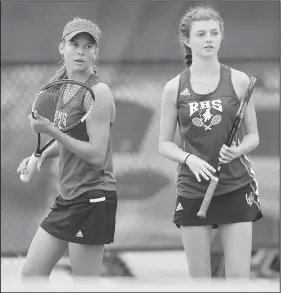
x=187, y=157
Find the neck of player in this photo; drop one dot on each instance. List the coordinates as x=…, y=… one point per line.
x=204, y=66
x=81, y=76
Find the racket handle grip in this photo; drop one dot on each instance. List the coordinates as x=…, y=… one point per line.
x=31, y=166
x=208, y=197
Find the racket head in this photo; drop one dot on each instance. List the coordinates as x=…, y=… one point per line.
x=64, y=102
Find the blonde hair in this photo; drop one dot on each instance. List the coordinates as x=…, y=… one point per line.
x=196, y=14
x=62, y=72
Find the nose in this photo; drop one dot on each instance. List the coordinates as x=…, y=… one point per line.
x=80, y=51
x=209, y=38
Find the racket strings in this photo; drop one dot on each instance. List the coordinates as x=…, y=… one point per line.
x=73, y=107
x=46, y=104
x=65, y=104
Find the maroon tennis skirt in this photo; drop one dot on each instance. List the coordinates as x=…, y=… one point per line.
x=87, y=219
x=241, y=205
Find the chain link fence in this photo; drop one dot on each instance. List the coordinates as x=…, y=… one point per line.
x=145, y=180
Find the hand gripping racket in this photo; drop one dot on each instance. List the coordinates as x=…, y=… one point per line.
x=214, y=181
x=66, y=103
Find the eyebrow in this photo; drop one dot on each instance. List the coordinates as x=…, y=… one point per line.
x=213, y=29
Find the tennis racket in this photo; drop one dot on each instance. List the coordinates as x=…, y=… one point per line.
x=214, y=181
x=66, y=103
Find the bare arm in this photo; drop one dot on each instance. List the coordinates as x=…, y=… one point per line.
x=251, y=138
x=97, y=124
x=51, y=152
x=98, y=128
x=168, y=123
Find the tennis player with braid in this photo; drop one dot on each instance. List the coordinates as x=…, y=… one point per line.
x=203, y=101
x=83, y=216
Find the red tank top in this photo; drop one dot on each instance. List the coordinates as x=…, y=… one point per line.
x=204, y=124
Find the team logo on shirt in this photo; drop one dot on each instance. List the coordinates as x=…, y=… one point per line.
x=206, y=119
x=250, y=199
x=205, y=116
x=185, y=92
x=60, y=119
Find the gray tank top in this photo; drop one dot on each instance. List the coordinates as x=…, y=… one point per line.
x=205, y=122
x=76, y=176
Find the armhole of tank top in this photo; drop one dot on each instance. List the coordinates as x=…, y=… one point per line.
x=177, y=104
x=178, y=91
x=102, y=81
x=231, y=83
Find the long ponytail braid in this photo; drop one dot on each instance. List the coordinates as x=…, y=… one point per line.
x=188, y=56
x=61, y=72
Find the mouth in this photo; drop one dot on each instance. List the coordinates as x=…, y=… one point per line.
x=209, y=47
x=79, y=61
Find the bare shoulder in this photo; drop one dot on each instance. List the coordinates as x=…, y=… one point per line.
x=172, y=84
x=240, y=81
x=240, y=76
x=104, y=105
x=103, y=92
x=171, y=87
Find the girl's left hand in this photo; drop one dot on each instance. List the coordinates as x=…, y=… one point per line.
x=227, y=154
x=40, y=124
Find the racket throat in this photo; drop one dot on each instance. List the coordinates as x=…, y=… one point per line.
x=218, y=171
x=37, y=155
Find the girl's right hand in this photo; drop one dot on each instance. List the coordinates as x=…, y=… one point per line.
x=200, y=167
x=23, y=164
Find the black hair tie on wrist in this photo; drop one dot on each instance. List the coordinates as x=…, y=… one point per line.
x=187, y=157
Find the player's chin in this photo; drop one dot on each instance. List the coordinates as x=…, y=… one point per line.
x=209, y=53
x=79, y=66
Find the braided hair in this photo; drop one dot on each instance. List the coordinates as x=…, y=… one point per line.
x=195, y=14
